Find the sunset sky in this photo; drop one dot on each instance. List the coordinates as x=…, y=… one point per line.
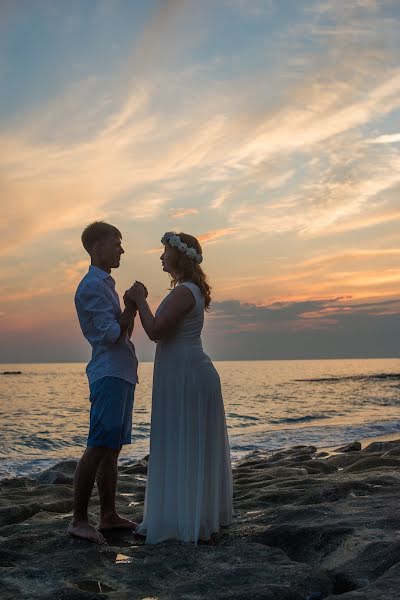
x=269, y=129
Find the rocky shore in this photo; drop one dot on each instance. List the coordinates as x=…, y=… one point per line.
x=308, y=525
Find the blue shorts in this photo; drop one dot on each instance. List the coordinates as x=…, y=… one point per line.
x=110, y=413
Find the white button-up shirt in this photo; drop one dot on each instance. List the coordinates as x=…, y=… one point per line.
x=98, y=307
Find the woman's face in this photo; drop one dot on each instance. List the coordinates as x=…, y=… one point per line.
x=166, y=259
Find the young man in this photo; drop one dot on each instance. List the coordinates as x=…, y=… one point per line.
x=112, y=375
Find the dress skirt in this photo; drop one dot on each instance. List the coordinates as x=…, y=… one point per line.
x=189, y=487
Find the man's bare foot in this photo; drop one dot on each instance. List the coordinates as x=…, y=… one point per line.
x=86, y=531
x=116, y=522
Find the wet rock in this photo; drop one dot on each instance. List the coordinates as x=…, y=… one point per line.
x=353, y=447
x=58, y=474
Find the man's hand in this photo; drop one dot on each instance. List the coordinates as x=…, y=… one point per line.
x=129, y=301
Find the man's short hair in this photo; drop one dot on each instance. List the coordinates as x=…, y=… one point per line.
x=98, y=232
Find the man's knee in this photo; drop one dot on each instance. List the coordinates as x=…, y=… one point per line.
x=96, y=451
x=112, y=453
x=115, y=451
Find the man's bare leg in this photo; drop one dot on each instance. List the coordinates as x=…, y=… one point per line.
x=107, y=485
x=84, y=479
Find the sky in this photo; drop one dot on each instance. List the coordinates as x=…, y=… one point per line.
x=268, y=129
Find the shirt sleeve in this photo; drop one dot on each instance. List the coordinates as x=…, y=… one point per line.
x=98, y=307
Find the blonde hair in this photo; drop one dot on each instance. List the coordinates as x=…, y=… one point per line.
x=190, y=269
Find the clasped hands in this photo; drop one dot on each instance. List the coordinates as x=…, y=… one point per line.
x=135, y=293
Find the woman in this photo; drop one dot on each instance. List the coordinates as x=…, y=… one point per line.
x=189, y=486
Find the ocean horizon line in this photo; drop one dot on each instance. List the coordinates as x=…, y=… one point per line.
x=288, y=359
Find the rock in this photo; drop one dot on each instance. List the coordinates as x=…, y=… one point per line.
x=139, y=468
x=353, y=447
x=373, y=462
x=370, y=562
x=60, y=473
x=384, y=588
x=12, y=373
x=393, y=452
x=381, y=446
x=318, y=466
x=302, y=530
x=344, y=460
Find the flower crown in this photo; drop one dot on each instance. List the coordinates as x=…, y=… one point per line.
x=173, y=240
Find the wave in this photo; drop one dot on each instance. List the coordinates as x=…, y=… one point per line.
x=320, y=436
x=304, y=419
x=373, y=377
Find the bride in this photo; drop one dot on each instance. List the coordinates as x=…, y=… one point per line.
x=189, y=486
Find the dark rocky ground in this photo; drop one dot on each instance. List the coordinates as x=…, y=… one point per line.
x=308, y=526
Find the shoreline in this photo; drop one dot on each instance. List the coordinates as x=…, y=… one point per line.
x=388, y=437
x=124, y=460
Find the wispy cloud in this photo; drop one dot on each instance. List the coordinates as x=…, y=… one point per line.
x=390, y=138
x=216, y=234
x=179, y=213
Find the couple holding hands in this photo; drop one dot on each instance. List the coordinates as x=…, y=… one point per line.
x=189, y=485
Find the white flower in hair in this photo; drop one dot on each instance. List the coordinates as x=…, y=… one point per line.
x=165, y=238
x=174, y=241
x=191, y=253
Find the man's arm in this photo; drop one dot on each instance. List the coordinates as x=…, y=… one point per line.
x=131, y=326
x=93, y=301
x=126, y=321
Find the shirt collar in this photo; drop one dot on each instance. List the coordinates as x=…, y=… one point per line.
x=97, y=272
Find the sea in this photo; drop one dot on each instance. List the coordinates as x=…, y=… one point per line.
x=271, y=404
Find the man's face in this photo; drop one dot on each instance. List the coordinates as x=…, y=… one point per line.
x=110, y=251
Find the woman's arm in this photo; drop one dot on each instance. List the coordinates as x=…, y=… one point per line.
x=180, y=302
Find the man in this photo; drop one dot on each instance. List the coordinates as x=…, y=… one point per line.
x=112, y=375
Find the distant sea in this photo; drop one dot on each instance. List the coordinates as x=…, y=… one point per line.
x=44, y=411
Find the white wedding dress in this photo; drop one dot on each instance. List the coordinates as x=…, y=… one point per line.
x=189, y=485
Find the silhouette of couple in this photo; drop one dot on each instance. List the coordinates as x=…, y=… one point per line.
x=189, y=486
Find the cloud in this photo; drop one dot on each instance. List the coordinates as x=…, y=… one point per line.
x=220, y=199
x=179, y=213
x=284, y=154
x=391, y=138
x=330, y=328
x=204, y=238
x=130, y=147
x=144, y=209
x=357, y=273
x=344, y=189
x=212, y=236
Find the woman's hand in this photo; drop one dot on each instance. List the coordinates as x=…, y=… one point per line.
x=136, y=293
